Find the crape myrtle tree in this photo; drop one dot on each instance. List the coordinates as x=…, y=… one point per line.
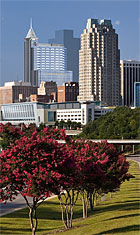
x=8, y=134
x=91, y=176
x=29, y=168
x=70, y=185
x=36, y=165
x=113, y=166
x=101, y=168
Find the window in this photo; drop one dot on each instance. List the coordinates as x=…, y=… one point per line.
x=51, y=116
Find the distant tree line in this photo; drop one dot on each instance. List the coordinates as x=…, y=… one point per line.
x=123, y=122
x=69, y=125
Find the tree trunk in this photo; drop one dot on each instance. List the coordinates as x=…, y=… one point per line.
x=91, y=201
x=83, y=202
x=87, y=207
x=103, y=197
x=32, y=211
x=67, y=205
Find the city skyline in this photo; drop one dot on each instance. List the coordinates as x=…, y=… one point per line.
x=56, y=15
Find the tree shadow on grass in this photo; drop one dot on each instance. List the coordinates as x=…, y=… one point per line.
x=5, y=230
x=124, y=216
x=121, y=206
x=128, y=201
x=122, y=229
x=49, y=210
x=53, y=211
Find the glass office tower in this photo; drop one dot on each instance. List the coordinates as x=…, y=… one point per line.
x=45, y=62
x=72, y=45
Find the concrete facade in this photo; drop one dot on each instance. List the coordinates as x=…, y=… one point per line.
x=99, y=63
x=35, y=112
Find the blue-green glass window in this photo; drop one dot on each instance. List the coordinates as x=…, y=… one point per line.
x=51, y=116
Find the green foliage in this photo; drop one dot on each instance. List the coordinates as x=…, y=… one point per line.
x=123, y=122
x=68, y=125
x=116, y=215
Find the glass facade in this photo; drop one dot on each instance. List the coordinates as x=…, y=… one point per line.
x=137, y=94
x=66, y=38
x=50, y=61
x=51, y=116
x=47, y=62
x=50, y=57
x=59, y=77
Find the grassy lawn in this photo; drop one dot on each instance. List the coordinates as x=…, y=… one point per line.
x=119, y=215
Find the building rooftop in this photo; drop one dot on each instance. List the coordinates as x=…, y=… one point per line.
x=31, y=33
x=50, y=45
x=17, y=83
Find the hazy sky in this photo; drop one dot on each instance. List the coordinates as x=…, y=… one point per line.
x=49, y=16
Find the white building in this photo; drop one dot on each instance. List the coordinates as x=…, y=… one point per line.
x=34, y=112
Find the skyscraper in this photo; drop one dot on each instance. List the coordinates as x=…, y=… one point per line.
x=30, y=75
x=99, y=63
x=72, y=45
x=136, y=94
x=130, y=73
x=44, y=62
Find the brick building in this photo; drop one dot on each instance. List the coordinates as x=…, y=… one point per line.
x=68, y=92
x=14, y=92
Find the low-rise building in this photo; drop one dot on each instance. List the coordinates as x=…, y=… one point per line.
x=35, y=112
x=13, y=92
x=68, y=92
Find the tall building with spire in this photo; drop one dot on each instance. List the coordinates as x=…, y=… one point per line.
x=30, y=75
x=99, y=63
x=44, y=62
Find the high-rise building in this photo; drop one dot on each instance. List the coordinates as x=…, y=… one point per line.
x=136, y=94
x=99, y=63
x=44, y=62
x=72, y=45
x=30, y=75
x=68, y=92
x=130, y=73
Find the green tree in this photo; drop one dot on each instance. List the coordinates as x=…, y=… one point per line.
x=124, y=122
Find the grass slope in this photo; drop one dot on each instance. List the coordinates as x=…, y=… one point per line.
x=119, y=215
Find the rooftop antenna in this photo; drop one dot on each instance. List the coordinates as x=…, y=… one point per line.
x=31, y=23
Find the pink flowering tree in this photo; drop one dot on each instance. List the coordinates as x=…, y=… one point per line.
x=113, y=165
x=29, y=168
x=57, y=134
x=70, y=186
x=101, y=169
x=8, y=134
x=90, y=175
